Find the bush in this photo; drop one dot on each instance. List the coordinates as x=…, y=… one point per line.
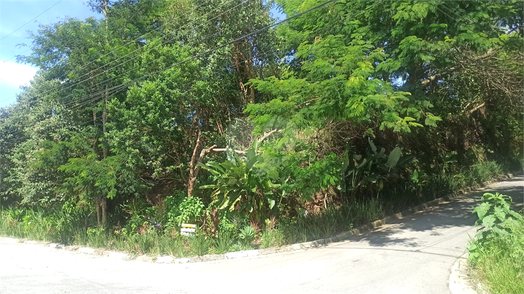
x=497, y=251
x=181, y=209
x=247, y=235
x=485, y=171
x=272, y=238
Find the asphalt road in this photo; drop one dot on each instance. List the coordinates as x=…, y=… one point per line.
x=413, y=255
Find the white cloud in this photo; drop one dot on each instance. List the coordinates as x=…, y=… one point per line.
x=15, y=74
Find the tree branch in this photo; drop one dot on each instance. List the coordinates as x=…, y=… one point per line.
x=239, y=152
x=266, y=135
x=477, y=107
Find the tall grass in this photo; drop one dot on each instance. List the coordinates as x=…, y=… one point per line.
x=331, y=221
x=401, y=195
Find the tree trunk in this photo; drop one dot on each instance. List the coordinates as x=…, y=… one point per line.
x=192, y=166
x=236, y=61
x=249, y=72
x=104, y=211
x=98, y=215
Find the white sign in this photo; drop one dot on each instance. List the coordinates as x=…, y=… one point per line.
x=187, y=229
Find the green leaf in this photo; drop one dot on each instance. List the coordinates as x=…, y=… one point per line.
x=273, y=174
x=472, y=247
x=232, y=207
x=224, y=203
x=482, y=210
x=489, y=221
x=414, y=177
x=372, y=145
x=271, y=203
x=405, y=160
x=515, y=215
x=499, y=213
x=499, y=231
x=393, y=157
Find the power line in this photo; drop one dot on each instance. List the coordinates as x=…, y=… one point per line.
x=108, y=53
x=14, y=57
x=99, y=95
x=119, y=88
x=30, y=21
x=149, y=49
x=226, y=44
x=129, y=42
x=139, y=38
x=121, y=46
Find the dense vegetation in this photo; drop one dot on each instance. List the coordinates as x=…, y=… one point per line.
x=497, y=251
x=166, y=112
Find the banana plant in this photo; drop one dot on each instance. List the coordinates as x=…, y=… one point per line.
x=240, y=185
x=370, y=170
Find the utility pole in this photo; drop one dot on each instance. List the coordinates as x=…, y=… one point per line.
x=0, y=181
x=1, y=155
x=104, y=117
x=1, y=194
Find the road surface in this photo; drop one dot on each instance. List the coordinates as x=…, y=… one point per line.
x=413, y=255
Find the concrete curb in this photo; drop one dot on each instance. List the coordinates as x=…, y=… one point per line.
x=459, y=282
x=427, y=206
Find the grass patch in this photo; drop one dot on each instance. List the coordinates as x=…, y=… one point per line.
x=330, y=222
x=401, y=195
x=500, y=263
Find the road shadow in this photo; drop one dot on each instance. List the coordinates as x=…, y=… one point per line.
x=457, y=213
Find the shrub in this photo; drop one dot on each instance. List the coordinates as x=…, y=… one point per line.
x=497, y=251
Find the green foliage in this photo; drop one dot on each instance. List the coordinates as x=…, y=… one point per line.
x=225, y=241
x=336, y=84
x=372, y=170
x=96, y=237
x=308, y=227
x=437, y=84
x=497, y=249
x=92, y=177
x=247, y=235
x=58, y=226
x=484, y=171
x=496, y=218
x=272, y=238
x=191, y=209
x=240, y=185
x=200, y=244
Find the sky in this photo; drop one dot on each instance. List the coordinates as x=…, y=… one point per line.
x=14, y=14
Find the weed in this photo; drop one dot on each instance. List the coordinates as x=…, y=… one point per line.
x=272, y=238
x=200, y=245
x=247, y=235
x=96, y=237
x=497, y=251
x=224, y=241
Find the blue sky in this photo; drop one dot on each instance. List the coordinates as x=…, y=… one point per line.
x=15, y=13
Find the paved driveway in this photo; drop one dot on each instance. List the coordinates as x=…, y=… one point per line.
x=412, y=255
